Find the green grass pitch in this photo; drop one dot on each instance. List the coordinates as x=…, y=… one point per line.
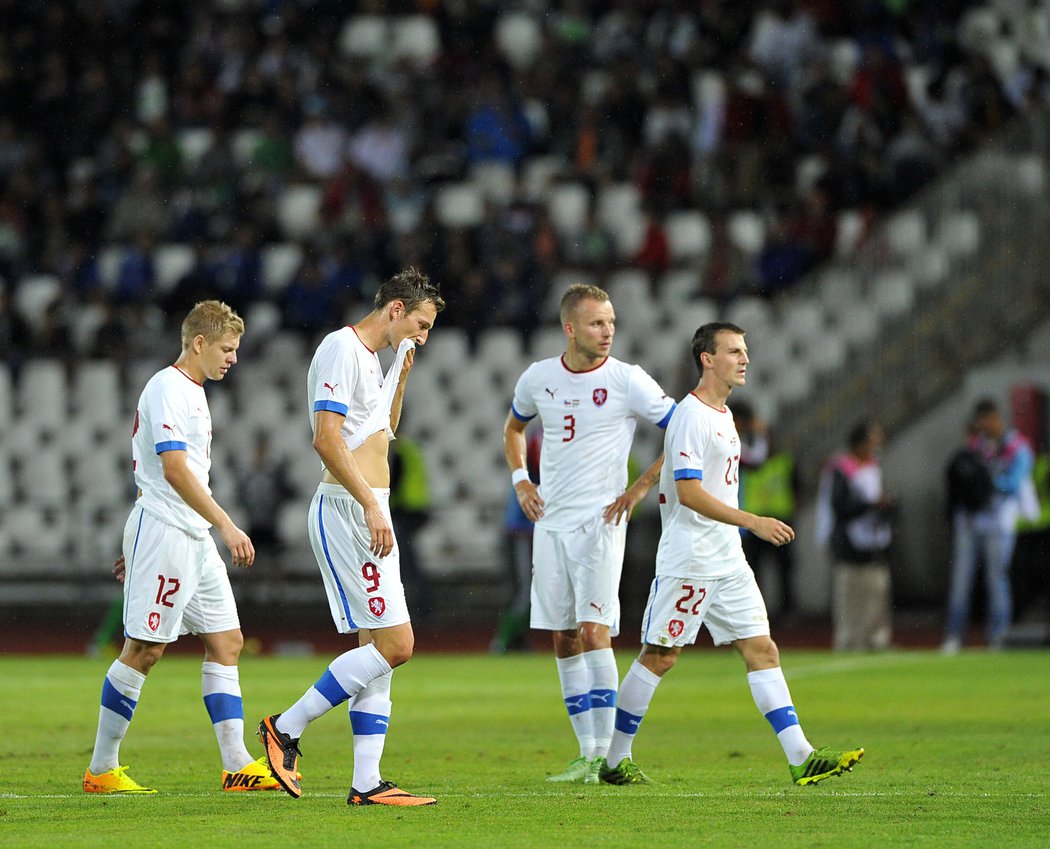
x=958, y=751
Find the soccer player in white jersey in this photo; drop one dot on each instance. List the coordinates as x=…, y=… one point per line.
x=588, y=404
x=175, y=582
x=701, y=574
x=354, y=411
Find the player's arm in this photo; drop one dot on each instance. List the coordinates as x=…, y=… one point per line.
x=341, y=464
x=692, y=494
x=622, y=507
x=399, y=393
x=515, y=449
x=178, y=474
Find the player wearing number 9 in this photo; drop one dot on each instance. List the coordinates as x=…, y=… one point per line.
x=354, y=410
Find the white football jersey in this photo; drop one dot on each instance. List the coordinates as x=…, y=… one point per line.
x=172, y=415
x=701, y=442
x=345, y=377
x=588, y=423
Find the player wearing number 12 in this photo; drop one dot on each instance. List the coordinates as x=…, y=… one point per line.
x=354, y=410
x=174, y=579
x=702, y=576
x=588, y=403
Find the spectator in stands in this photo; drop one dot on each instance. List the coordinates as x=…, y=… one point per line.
x=986, y=532
x=496, y=127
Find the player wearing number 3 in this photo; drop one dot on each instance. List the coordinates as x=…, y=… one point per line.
x=354, y=410
x=175, y=582
x=701, y=574
x=588, y=404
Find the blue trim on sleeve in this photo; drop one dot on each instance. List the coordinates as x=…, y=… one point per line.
x=662, y=424
x=329, y=687
x=368, y=723
x=331, y=406
x=520, y=417
x=116, y=701
x=222, y=706
x=782, y=718
x=171, y=445
x=687, y=474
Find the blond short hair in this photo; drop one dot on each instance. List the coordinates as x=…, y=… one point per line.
x=212, y=320
x=579, y=292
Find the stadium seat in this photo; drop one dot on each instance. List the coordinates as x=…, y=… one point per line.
x=7, y=480
x=109, y=262
x=280, y=263
x=688, y=235
x=747, y=231
x=365, y=37
x=678, y=286
x=501, y=346
x=172, y=263
x=519, y=38
x=617, y=202
x=34, y=295
x=803, y=319
x=97, y=396
x=547, y=342
x=40, y=531
x=793, y=385
x=447, y=349
x=752, y=313
x=689, y=316
x=906, y=233
x=893, y=293
x=538, y=173
x=629, y=291
x=299, y=210
x=194, y=142
x=7, y=411
x=929, y=267
x=851, y=227
x=844, y=58
x=42, y=478
x=1031, y=175
x=245, y=143
x=568, y=205
x=459, y=205
x=495, y=180
x=103, y=476
x=415, y=37
x=43, y=392
x=959, y=233
x=261, y=320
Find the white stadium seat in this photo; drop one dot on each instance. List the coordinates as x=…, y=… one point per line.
x=519, y=38
x=459, y=205
x=415, y=37
x=34, y=295
x=747, y=231
x=299, y=210
x=906, y=233
x=688, y=235
x=280, y=263
x=364, y=37
x=568, y=205
x=172, y=263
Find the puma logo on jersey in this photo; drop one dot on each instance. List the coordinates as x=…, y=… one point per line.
x=167, y=427
x=331, y=387
x=686, y=455
x=550, y=392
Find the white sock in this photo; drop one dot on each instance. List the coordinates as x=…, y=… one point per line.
x=221, y=688
x=120, y=694
x=575, y=690
x=345, y=677
x=770, y=692
x=369, y=719
x=636, y=692
x=603, y=679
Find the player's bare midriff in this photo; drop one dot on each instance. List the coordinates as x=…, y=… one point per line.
x=371, y=457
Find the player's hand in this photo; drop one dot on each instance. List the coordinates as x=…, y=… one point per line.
x=381, y=535
x=239, y=545
x=406, y=367
x=772, y=530
x=621, y=508
x=119, y=569
x=529, y=499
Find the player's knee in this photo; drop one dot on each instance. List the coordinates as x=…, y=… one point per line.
x=566, y=643
x=657, y=661
x=396, y=649
x=594, y=636
x=760, y=653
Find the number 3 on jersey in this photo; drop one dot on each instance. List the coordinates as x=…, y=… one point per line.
x=570, y=428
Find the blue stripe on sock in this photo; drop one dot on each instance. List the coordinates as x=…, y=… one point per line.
x=328, y=687
x=603, y=699
x=578, y=704
x=368, y=723
x=114, y=700
x=222, y=706
x=627, y=722
x=782, y=718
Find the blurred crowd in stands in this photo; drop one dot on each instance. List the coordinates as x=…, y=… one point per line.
x=713, y=106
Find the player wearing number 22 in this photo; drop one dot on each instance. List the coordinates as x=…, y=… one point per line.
x=354, y=410
x=175, y=582
x=588, y=403
x=701, y=574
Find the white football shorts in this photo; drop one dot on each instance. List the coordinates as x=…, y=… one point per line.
x=576, y=576
x=732, y=608
x=174, y=583
x=364, y=591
